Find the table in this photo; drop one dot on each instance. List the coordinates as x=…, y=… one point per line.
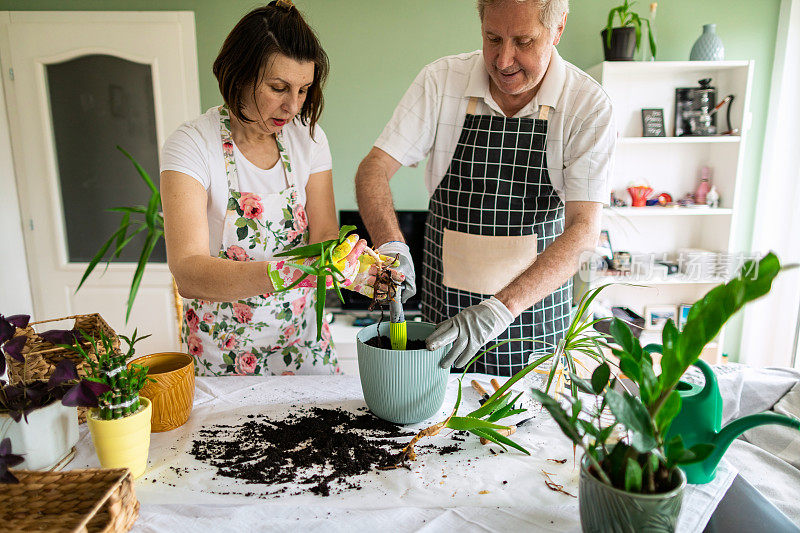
x=472, y=487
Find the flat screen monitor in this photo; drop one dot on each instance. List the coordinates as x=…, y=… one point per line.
x=412, y=224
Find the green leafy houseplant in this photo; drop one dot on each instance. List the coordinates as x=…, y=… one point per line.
x=628, y=18
x=580, y=339
x=124, y=382
x=645, y=462
x=136, y=219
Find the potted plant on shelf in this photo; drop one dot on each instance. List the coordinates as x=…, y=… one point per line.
x=120, y=424
x=39, y=417
x=620, y=43
x=636, y=483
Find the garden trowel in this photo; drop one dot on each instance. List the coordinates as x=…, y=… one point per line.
x=397, y=322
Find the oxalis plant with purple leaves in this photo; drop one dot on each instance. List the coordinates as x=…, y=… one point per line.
x=8, y=460
x=64, y=385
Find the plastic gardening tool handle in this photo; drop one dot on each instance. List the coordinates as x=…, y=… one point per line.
x=505, y=432
x=398, y=334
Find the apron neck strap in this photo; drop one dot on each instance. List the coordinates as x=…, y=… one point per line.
x=227, y=149
x=472, y=105
x=544, y=111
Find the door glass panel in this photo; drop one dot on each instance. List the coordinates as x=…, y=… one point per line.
x=98, y=102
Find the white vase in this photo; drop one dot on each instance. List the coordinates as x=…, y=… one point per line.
x=46, y=439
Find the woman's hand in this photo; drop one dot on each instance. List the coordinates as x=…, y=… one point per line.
x=357, y=263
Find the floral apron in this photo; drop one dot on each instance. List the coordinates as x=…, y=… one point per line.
x=269, y=333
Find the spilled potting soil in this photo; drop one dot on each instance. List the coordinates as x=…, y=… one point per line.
x=318, y=450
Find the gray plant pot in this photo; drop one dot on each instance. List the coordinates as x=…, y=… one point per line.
x=610, y=510
x=401, y=386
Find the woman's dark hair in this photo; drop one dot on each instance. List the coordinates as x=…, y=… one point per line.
x=242, y=60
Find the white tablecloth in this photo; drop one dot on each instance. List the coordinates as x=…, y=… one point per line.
x=471, y=487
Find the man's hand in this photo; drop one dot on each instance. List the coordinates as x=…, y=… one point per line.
x=469, y=330
x=405, y=267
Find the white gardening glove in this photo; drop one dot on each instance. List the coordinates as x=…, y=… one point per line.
x=469, y=330
x=406, y=267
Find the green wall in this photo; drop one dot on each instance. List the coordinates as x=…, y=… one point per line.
x=376, y=48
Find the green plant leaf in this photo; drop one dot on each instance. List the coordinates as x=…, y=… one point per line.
x=320, y=304
x=600, y=377
x=582, y=384
x=497, y=438
x=668, y=412
x=559, y=415
x=145, y=176
x=98, y=257
x=631, y=413
x=344, y=231
x=150, y=243
x=468, y=423
x=310, y=250
x=633, y=476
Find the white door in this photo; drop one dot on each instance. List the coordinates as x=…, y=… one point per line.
x=77, y=84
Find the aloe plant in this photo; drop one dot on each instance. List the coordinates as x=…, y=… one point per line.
x=136, y=219
x=645, y=461
x=580, y=338
x=628, y=18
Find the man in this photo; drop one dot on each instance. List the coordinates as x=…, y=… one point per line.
x=520, y=146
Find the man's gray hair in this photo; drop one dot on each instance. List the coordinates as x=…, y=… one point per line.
x=550, y=11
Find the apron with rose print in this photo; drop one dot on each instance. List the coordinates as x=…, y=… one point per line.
x=268, y=334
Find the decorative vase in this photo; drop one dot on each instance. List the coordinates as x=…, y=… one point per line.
x=402, y=386
x=604, y=508
x=172, y=392
x=639, y=195
x=123, y=442
x=708, y=46
x=623, y=44
x=46, y=439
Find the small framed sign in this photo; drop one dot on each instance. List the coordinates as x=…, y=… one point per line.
x=653, y=123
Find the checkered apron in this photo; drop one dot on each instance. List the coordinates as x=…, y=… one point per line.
x=497, y=184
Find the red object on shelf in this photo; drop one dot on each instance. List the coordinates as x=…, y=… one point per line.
x=639, y=195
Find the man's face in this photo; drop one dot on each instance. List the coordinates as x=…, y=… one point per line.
x=516, y=46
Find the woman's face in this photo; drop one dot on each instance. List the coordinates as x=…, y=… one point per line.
x=280, y=93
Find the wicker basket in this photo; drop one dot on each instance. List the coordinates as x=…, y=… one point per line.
x=41, y=357
x=79, y=500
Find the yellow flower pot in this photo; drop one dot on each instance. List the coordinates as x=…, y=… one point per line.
x=123, y=442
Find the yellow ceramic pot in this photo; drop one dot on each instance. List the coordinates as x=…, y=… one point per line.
x=123, y=442
x=172, y=393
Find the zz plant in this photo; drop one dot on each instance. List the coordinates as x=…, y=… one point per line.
x=645, y=461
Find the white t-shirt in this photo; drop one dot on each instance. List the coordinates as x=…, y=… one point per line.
x=195, y=149
x=580, y=137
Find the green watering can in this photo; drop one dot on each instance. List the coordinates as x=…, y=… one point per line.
x=700, y=421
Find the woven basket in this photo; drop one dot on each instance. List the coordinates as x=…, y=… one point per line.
x=79, y=500
x=41, y=357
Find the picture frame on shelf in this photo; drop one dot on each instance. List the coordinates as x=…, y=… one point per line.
x=655, y=316
x=653, y=123
x=683, y=314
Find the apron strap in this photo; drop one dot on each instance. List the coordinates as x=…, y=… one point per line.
x=544, y=110
x=472, y=105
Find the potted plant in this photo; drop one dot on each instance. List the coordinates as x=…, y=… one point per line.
x=120, y=424
x=621, y=42
x=635, y=483
x=484, y=422
x=39, y=417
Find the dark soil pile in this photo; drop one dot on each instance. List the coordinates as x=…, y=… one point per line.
x=321, y=448
x=386, y=343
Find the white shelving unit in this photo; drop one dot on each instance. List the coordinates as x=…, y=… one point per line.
x=671, y=164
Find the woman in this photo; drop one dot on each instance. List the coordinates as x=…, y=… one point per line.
x=246, y=181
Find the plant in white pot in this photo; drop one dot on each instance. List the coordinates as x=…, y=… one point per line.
x=120, y=423
x=40, y=417
x=635, y=484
